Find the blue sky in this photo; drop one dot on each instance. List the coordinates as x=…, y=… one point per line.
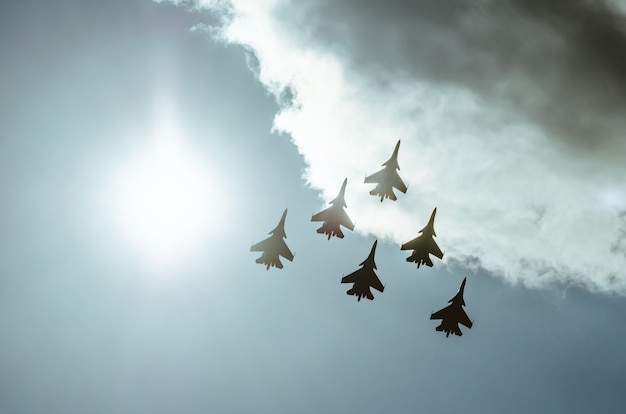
x=91, y=320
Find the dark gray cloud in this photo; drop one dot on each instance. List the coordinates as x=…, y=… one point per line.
x=559, y=64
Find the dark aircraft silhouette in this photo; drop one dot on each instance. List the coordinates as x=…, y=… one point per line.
x=364, y=278
x=453, y=314
x=335, y=216
x=274, y=246
x=387, y=178
x=424, y=245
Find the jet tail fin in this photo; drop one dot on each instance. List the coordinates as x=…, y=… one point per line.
x=393, y=161
x=280, y=228
x=370, y=259
x=458, y=298
x=341, y=197
x=429, y=229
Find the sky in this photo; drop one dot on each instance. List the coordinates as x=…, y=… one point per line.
x=144, y=146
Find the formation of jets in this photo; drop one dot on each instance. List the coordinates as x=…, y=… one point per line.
x=365, y=278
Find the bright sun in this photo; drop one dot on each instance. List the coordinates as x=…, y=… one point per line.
x=161, y=199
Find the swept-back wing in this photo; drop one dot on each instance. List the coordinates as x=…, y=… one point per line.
x=344, y=220
x=376, y=283
x=397, y=182
x=322, y=215
x=434, y=249
x=284, y=251
x=464, y=319
x=423, y=244
x=334, y=215
x=441, y=313
x=387, y=177
x=357, y=276
x=377, y=177
x=263, y=245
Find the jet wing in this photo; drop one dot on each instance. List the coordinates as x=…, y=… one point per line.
x=387, y=177
x=464, y=319
x=344, y=220
x=440, y=314
x=377, y=177
x=397, y=182
x=434, y=249
x=284, y=251
x=334, y=214
x=321, y=216
x=272, y=245
x=376, y=284
x=414, y=244
x=263, y=245
x=457, y=314
x=361, y=275
x=364, y=276
x=423, y=243
x=353, y=277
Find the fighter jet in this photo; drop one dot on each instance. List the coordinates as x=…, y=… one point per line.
x=364, y=278
x=274, y=246
x=453, y=314
x=424, y=245
x=335, y=216
x=387, y=178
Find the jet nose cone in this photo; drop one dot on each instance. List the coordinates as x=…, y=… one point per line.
x=342, y=192
x=371, y=256
x=280, y=228
x=395, y=151
x=432, y=215
x=282, y=218
x=462, y=285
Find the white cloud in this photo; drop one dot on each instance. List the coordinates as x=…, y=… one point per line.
x=510, y=197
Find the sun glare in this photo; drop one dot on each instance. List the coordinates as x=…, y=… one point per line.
x=162, y=200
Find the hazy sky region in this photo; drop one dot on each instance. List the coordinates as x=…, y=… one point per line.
x=144, y=146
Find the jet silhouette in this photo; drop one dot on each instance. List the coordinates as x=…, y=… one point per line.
x=335, y=216
x=364, y=278
x=424, y=245
x=453, y=314
x=387, y=178
x=274, y=246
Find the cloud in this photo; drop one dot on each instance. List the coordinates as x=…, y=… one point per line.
x=547, y=62
x=510, y=114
